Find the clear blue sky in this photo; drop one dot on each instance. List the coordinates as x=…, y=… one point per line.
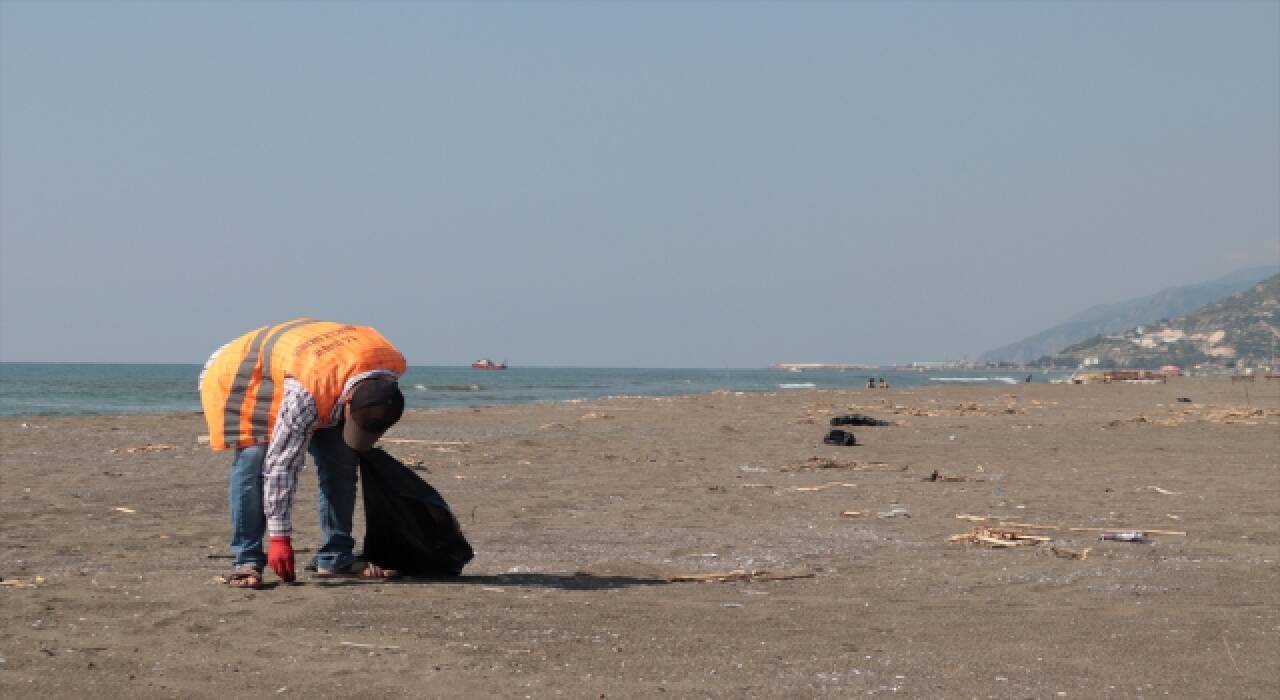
x=692, y=184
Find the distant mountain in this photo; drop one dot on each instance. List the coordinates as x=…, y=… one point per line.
x=1108, y=319
x=1242, y=330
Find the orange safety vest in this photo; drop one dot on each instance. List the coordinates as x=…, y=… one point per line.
x=244, y=383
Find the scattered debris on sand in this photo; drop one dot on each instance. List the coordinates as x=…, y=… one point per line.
x=998, y=537
x=823, y=487
x=1166, y=492
x=1069, y=553
x=1004, y=521
x=968, y=408
x=33, y=582
x=821, y=463
x=142, y=449
x=817, y=462
x=1119, y=530
x=433, y=445
x=939, y=476
x=1226, y=415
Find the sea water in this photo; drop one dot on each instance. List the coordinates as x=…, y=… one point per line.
x=92, y=389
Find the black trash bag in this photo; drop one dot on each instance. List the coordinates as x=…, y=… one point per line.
x=408, y=525
x=840, y=437
x=857, y=419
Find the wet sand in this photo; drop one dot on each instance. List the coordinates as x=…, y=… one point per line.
x=581, y=513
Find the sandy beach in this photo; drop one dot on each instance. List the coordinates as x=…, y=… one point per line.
x=584, y=515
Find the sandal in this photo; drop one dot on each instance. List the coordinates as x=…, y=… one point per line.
x=245, y=576
x=375, y=571
x=353, y=568
x=358, y=568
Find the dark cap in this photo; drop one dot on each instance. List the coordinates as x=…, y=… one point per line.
x=375, y=405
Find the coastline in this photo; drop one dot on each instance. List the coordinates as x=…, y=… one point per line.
x=580, y=512
x=112, y=389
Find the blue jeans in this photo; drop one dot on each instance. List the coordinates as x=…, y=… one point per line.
x=336, y=471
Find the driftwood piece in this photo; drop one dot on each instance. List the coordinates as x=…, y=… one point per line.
x=821, y=463
x=142, y=449
x=817, y=462
x=981, y=518
x=823, y=487
x=35, y=582
x=1149, y=531
x=1004, y=522
x=736, y=575
x=1068, y=553
x=998, y=537
x=1095, y=529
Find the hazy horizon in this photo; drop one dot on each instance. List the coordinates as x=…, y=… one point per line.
x=464, y=363
x=663, y=185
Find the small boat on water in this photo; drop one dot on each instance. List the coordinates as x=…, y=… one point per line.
x=486, y=363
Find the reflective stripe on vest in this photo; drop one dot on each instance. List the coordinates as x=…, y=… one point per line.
x=266, y=388
x=261, y=346
x=243, y=384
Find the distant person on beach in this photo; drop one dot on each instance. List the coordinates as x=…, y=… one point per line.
x=327, y=388
x=871, y=382
x=883, y=383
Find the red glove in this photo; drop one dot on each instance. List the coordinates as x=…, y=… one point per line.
x=280, y=557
